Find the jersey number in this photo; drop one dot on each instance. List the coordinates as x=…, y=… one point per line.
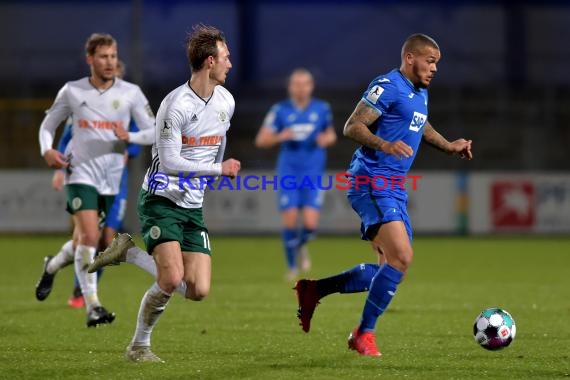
x=206, y=239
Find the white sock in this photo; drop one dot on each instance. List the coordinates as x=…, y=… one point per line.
x=63, y=258
x=143, y=260
x=153, y=304
x=87, y=281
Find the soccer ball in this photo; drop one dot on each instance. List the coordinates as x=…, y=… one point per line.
x=494, y=329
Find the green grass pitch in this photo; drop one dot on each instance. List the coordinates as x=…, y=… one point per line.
x=247, y=329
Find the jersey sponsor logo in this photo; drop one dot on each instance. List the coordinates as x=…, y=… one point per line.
x=166, y=129
x=411, y=95
x=222, y=116
x=302, y=131
x=374, y=94
x=201, y=140
x=418, y=121
x=384, y=80
x=194, y=118
x=99, y=124
x=313, y=117
x=116, y=104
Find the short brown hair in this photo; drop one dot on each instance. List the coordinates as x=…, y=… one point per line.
x=202, y=43
x=96, y=40
x=417, y=41
x=301, y=71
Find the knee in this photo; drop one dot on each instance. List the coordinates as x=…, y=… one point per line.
x=169, y=282
x=197, y=292
x=89, y=238
x=402, y=260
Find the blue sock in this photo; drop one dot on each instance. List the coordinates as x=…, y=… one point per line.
x=306, y=235
x=354, y=280
x=382, y=289
x=290, y=243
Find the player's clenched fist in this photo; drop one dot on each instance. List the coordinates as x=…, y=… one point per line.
x=461, y=147
x=121, y=133
x=55, y=159
x=58, y=180
x=397, y=148
x=230, y=167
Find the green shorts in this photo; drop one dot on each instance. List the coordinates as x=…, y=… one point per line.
x=163, y=220
x=86, y=197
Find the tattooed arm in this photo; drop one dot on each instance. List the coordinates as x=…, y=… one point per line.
x=433, y=138
x=357, y=128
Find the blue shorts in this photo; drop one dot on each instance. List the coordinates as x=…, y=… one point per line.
x=377, y=210
x=300, y=193
x=117, y=211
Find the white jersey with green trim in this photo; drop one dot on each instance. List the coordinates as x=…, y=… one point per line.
x=95, y=154
x=189, y=144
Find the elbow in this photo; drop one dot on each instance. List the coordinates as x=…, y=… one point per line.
x=260, y=143
x=333, y=139
x=167, y=164
x=167, y=168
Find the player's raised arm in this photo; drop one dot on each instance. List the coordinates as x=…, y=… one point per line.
x=327, y=138
x=358, y=126
x=59, y=111
x=267, y=138
x=436, y=140
x=270, y=133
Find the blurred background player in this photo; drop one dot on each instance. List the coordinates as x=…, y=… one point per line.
x=101, y=105
x=113, y=221
x=170, y=211
x=303, y=127
x=389, y=122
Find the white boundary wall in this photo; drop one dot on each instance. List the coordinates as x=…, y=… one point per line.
x=496, y=203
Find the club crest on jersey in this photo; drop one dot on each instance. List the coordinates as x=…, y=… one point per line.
x=116, y=104
x=418, y=121
x=313, y=117
x=166, y=128
x=222, y=116
x=374, y=94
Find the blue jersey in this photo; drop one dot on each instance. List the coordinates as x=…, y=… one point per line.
x=403, y=112
x=65, y=138
x=301, y=155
